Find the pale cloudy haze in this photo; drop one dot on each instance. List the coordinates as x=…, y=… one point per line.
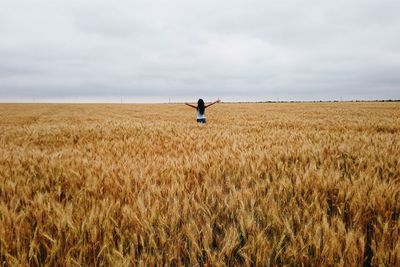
x=152, y=51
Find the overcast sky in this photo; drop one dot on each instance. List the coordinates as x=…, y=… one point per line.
x=181, y=50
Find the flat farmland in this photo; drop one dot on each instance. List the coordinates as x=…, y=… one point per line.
x=272, y=184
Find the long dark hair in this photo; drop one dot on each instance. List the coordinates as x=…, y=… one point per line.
x=200, y=106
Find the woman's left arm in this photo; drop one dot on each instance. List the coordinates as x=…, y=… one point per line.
x=190, y=105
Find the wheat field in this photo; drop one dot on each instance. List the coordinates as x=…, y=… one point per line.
x=283, y=184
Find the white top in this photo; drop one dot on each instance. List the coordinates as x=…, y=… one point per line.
x=200, y=116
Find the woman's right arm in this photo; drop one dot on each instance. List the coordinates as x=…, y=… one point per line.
x=218, y=101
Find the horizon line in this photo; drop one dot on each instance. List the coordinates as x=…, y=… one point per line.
x=182, y=102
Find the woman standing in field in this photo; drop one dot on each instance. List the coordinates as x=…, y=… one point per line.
x=200, y=109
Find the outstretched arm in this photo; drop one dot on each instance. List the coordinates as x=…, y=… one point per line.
x=190, y=105
x=212, y=103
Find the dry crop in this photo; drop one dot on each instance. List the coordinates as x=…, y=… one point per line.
x=261, y=184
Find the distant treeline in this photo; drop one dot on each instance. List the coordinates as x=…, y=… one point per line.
x=314, y=101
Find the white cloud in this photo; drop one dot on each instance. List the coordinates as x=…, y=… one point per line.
x=184, y=49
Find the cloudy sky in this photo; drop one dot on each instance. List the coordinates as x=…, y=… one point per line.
x=156, y=50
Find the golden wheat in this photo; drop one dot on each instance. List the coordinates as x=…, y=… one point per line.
x=260, y=184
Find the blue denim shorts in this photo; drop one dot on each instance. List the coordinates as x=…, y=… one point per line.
x=201, y=120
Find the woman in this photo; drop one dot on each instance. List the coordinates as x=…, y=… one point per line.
x=200, y=108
